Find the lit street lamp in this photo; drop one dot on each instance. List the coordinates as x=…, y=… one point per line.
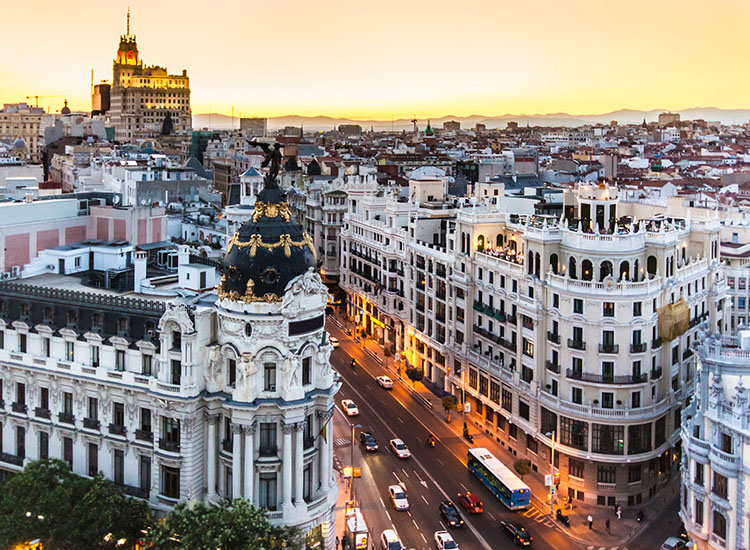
x=351, y=476
x=552, y=480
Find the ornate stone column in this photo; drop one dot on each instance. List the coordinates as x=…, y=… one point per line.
x=325, y=450
x=249, y=461
x=236, y=460
x=299, y=463
x=212, y=420
x=286, y=466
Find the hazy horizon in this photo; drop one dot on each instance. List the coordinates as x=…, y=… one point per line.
x=397, y=61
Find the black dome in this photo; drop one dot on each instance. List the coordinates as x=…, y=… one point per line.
x=267, y=252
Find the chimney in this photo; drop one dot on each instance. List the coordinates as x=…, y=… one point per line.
x=183, y=254
x=140, y=270
x=29, y=197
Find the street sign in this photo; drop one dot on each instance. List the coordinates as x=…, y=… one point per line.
x=467, y=407
x=547, y=480
x=357, y=472
x=397, y=357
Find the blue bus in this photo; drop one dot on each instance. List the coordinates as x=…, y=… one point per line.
x=498, y=478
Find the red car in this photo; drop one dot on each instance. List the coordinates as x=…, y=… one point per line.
x=471, y=502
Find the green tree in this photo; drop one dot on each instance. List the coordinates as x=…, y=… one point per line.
x=235, y=525
x=522, y=466
x=449, y=403
x=47, y=501
x=414, y=374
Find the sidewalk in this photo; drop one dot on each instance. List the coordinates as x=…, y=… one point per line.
x=621, y=531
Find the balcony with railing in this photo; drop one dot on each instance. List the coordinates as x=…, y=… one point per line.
x=553, y=337
x=728, y=461
x=606, y=378
x=656, y=343
x=687, y=354
x=268, y=451
x=39, y=412
x=576, y=344
x=553, y=367
x=11, y=459
x=656, y=373
x=639, y=347
x=117, y=429
x=168, y=445
x=609, y=348
x=19, y=408
x=91, y=423
x=144, y=435
x=66, y=418
x=133, y=491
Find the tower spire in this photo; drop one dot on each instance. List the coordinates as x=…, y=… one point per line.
x=128, y=26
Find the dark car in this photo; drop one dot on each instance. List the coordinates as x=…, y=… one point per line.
x=517, y=533
x=450, y=514
x=368, y=441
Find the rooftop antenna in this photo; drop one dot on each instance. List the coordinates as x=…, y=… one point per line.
x=128, y=26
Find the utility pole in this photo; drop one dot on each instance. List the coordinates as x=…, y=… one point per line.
x=552, y=481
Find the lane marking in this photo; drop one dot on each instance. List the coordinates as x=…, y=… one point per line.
x=425, y=500
x=421, y=534
x=399, y=419
x=387, y=426
x=407, y=475
x=397, y=479
x=389, y=516
x=440, y=461
x=443, y=526
x=381, y=502
x=465, y=488
x=415, y=523
x=409, y=512
x=491, y=516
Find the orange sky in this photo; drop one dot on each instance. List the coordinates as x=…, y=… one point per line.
x=383, y=58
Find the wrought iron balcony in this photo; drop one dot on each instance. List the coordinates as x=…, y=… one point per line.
x=144, y=435
x=576, y=344
x=605, y=378
x=640, y=347
x=171, y=446
x=67, y=418
x=117, y=429
x=91, y=423
x=553, y=337
x=609, y=348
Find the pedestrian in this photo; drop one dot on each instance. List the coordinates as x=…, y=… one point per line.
x=606, y=526
x=591, y=521
x=337, y=543
x=619, y=512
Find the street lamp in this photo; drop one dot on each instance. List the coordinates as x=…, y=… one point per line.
x=351, y=476
x=552, y=481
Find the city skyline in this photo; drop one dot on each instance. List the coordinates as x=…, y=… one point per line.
x=401, y=61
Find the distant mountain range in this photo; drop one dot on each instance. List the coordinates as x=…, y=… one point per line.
x=215, y=121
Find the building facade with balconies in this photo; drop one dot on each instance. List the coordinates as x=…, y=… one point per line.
x=182, y=399
x=716, y=441
x=553, y=326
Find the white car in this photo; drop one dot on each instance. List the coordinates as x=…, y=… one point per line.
x=400, y=448
x=349, y=407
x=389, y=540
x=398, y=497
x=444, y=541
x=333, y=341
x=385, y=382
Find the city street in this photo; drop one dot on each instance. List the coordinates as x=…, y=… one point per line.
x=431, y=474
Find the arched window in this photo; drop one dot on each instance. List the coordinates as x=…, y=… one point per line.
x=513, y=245
x=530, y=262
x=651, y=265
x=720, y=525
x=572, y=268
x=480, y=243
x=587, y=270
x=537, y=264
x=499, y=240
x=553, y=263
x=605, y=269
x=636, y=267
x=625, y=271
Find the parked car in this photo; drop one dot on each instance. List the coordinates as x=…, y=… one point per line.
x=400, y=449
x=398, y=497
x=516, y=532
x=333, y=341
x=470, y=502
x=674, y=543
x=444, y=541
x=368, y=441
x=450, y=514
x=385, y=382
x=349, y=407
x=389, y=540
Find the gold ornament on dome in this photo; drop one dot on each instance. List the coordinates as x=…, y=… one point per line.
x=285, y=240
x=249, y=295
x=271, y=210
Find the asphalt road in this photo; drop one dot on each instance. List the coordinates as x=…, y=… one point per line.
x=431, y=474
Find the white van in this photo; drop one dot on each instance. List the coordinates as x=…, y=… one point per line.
x=389, y=540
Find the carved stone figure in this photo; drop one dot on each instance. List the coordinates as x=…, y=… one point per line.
x=323, y=356
x=247, y=369
x=273, y=158
x=214, y=355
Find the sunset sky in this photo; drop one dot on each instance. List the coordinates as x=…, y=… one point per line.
x=377, y=59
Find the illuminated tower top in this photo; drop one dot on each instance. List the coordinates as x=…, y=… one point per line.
x=127, y=51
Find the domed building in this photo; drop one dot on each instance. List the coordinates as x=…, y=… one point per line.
x=269, y=374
